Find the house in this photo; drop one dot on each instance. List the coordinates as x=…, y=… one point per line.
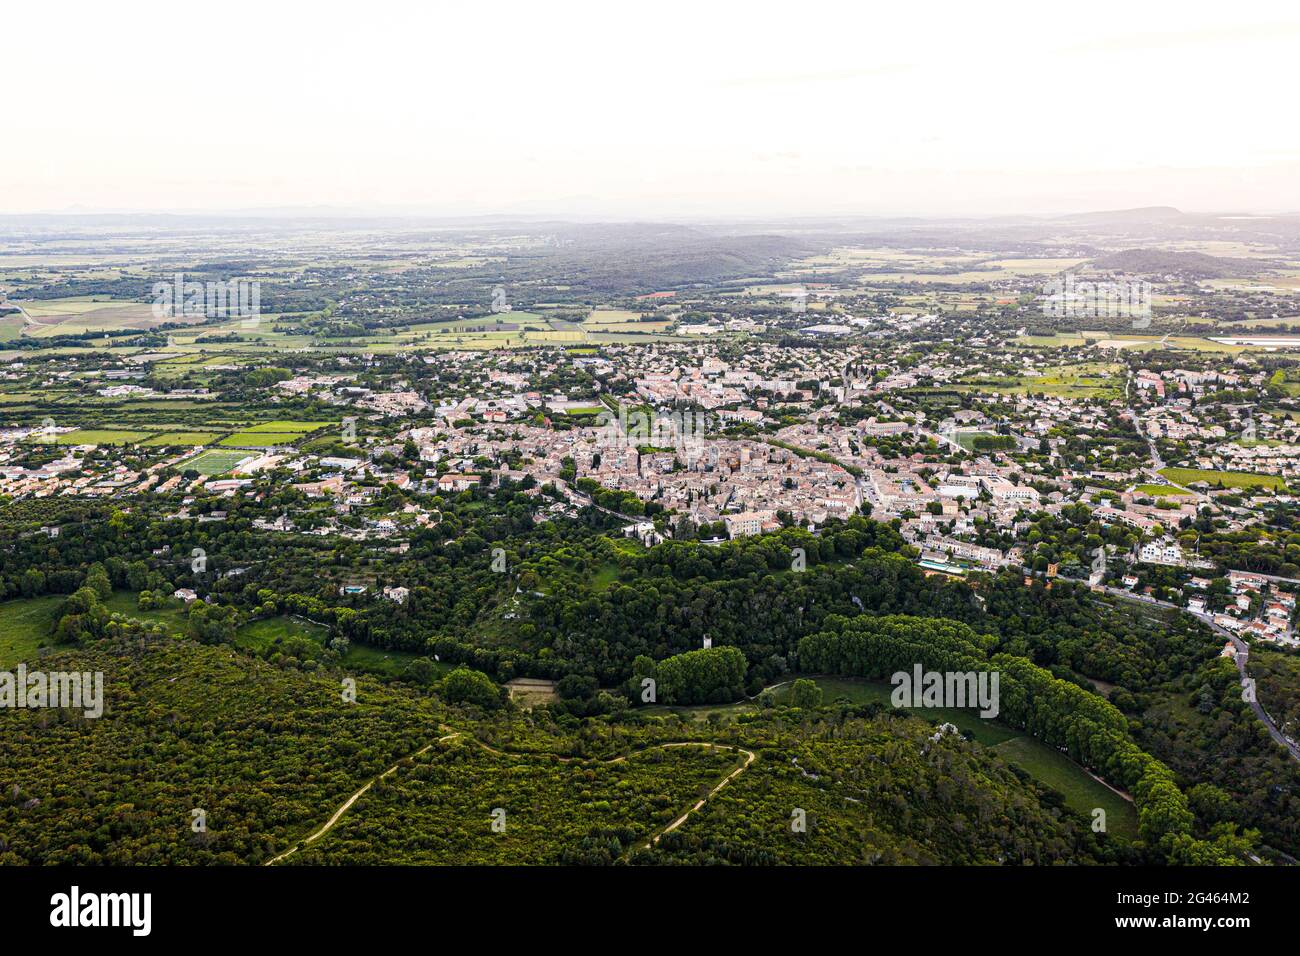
x=397, y=594
x=455, y=482
x=1242, y=581
x=185, y=594
x=645, y=532
x=1164, y=551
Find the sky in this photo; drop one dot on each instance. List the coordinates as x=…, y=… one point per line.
x=669, y=110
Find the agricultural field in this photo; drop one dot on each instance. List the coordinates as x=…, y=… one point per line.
x=622, y=320
x=259, y=439
x=101, y=436
x=267, y=434
x=931, y=265
x=183, y=438
x=1127, y=342
x=1161, y=491
x=1089, y=380
x=282, y=427
x=1228, y=479
x=78, y=315
x=129, y=432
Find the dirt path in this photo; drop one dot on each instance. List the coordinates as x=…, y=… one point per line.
x=347, y=804
x=749, y=758
x=329, y=824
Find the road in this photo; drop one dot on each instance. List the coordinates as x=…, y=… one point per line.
x=1243, y=653
x=1156, y=461
x=577, y=497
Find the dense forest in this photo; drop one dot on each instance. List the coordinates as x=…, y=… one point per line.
x=263, y=743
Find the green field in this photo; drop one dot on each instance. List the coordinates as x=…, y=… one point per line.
x=266, y=434
x=1089, y=380
x=986, y=732
x=11, y=327
x=1127, y=342
x=101, y=436
x=375, y=660
x=1229, y=479
x=1081, y=792
x=25, y=625
x=261, y=635
x=214, y=462
x=967, y=439
x=621, y=320
x=183, y=438
x=285, y=427
x=1160, y=491
x=127, y=604
x=259, y=439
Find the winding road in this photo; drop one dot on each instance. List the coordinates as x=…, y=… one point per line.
x=1243, y=652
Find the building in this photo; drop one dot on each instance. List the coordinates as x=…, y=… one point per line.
x=455, y=482
x=748, y=523
x=1164, y=551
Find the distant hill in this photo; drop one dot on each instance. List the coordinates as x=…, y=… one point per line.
x=1143, y=214
x=646, y=257
x=1196, y=265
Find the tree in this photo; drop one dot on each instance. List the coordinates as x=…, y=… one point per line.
x=419, y=671
x=468, y=686
x=97, y=580
x=577, y=687
x=805, y=693
x=211, y=623
x=83, y=617
x=709, y=676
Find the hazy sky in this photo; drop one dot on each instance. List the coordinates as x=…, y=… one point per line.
x=667, y=109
